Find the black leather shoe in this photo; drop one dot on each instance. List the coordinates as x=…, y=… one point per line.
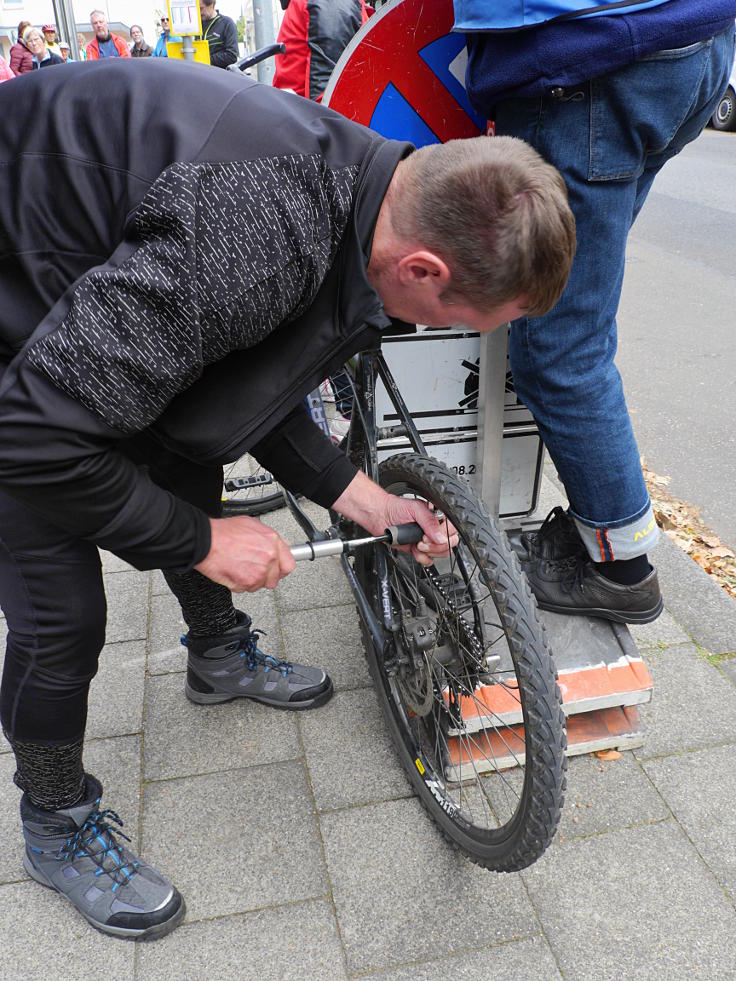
x=556, y=538
x=575, y=586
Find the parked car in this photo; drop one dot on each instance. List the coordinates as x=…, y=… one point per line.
x=725, y=115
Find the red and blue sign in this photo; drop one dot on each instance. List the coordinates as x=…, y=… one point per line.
x=403, y=75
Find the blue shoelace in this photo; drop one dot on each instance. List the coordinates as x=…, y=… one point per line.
x=97, y=829
x=255, y=658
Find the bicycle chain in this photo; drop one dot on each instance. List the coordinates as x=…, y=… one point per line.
x=478, y=651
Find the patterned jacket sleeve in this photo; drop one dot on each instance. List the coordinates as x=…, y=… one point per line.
x=216, y=257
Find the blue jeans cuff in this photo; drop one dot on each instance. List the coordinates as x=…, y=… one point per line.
x=624, y=541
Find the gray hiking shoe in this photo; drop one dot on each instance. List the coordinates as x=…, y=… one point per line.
x=232, y=666
x=556, y=538
x=575, y=586
x=75, y=851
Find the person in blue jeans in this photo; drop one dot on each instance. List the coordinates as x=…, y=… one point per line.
x=607, y=92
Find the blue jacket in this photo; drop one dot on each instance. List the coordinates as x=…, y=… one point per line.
x=529, y=63
x=160, y=50
x=482, y=15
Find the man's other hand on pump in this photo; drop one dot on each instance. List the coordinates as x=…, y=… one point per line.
x=245, y=555
x=374, y=509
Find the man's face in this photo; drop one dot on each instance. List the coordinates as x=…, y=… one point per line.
x=206, y=12
x=483, y=321
x=99, y=26
x=137, y=34
x=49, y=36
x=165, y=25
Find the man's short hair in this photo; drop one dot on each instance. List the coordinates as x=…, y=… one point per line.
x=496, y=213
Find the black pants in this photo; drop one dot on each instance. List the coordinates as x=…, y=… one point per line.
x=53, y=599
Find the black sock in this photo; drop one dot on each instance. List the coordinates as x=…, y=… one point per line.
x=626, y=572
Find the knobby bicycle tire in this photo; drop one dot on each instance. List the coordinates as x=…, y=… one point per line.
x=270, y=502
x=476, y=715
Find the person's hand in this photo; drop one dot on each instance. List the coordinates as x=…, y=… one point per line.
x=245, y=555
x=364, y=502
x=439, y=534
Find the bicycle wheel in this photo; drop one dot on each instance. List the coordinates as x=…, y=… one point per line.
x=467, y=683
x=250, y=489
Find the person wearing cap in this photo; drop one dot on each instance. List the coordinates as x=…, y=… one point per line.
x=49, y=36
x=160, y=50
x=64, y=50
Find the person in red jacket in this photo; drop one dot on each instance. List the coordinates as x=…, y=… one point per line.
x=21, y=59
x=104, y=44
x=315, y=33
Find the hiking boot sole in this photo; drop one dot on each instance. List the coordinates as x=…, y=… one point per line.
x=147, y=933
x=618, y=616
x=217, y=698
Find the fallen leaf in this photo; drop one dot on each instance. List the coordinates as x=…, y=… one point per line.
x=608, y=754
x=683, y=523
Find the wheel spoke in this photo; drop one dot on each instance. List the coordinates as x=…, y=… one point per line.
x=452, y=682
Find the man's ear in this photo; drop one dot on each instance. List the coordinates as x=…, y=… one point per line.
x=424, y=268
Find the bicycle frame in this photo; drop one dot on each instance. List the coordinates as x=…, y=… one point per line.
x=363, y=430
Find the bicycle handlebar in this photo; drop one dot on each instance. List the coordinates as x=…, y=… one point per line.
x=262, y=53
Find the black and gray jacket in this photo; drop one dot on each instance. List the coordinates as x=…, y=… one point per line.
x=193, y=287
x=222, y=34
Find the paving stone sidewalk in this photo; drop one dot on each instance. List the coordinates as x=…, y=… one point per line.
x=302, y=853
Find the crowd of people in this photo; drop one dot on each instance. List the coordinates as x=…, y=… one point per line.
x=39, y=47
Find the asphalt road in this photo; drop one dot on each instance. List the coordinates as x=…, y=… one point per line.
x=677, y=328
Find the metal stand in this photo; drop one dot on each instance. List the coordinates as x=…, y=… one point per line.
x=187, y=47
x=491, y=387
x=264, y=34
